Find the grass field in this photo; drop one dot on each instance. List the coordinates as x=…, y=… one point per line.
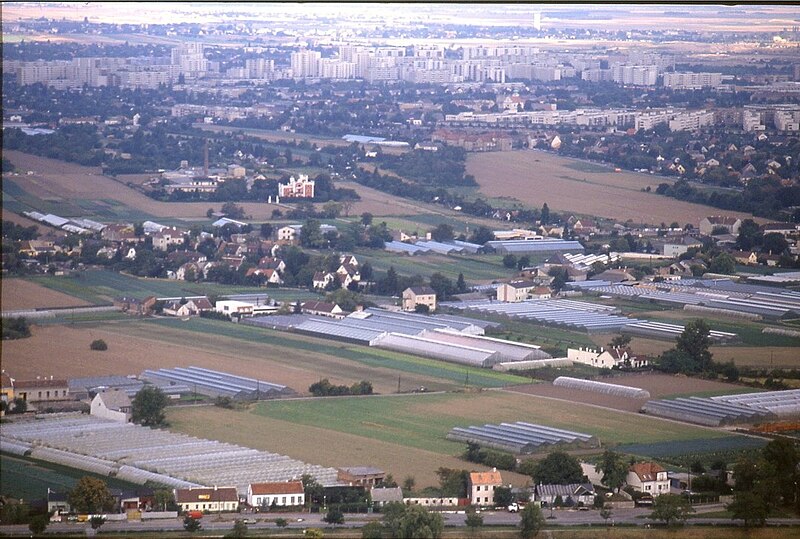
x=405, y=435
x=536, y=177
x=474, y=267
x=98, y=286
x=29, y=479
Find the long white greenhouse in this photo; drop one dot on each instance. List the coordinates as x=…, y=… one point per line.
x=453, y=353
x=601, y=387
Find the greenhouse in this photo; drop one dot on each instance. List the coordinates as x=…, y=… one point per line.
x=453, y=353
x=216, y=383
x=140, y=454
x=601, y=387
x=507, y=350
x=521, y=437
x=706, y=411
x=781, y=403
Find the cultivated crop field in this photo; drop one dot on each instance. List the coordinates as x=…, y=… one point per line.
x=406, y=434
x=22, y=294
x=85, y=191
x=660, y=386
x=293, y=360
x=536, y=177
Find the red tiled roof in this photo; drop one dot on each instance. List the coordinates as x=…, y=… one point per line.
x=290, y=487
x=190, y=495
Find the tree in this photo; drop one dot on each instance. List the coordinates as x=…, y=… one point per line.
x=372, y=530
x=366, y=219
x=614, y=469
x=311, y=235
x=232, y=210
x=545, y=217
x=605, y=514
x=783, y=456
x=558, y=468
x=461, y=284
x=191, y=524
x=560, y=278
x=694, y=341
x=163, y=499
x=481, y=235
x=453, y=483
x=442, y=232
x=99, y=345
x=532, y=520
x=409, y=483
x=774, y=243
x=96, y=522
x=281, y=522
x=38, y=525
x=334, y=516
x=503, y=497
x=443, y=286
x=474, y=520
x=671, y=509
x=723, y=263
x=620, y=341
x=312, y=489
x=239, y=530
x=413, y=521
x=748, y=235
x=90, y=495
x=14, y=327
x=749, y=507
x=510, y=261
x=147, y=407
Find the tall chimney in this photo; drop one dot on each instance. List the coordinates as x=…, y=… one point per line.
x=205, y=160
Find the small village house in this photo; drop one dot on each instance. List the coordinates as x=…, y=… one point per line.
x=482, y=486
x=286, y=494
x=419, y=295
x=216, y=499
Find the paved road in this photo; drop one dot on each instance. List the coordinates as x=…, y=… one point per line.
x=299, y=521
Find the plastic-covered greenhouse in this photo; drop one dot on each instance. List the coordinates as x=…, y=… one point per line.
x=454, y=353
x=521, y=437
x=601, y=387
x=705, y=411
x=781, y=403
x=506, y=350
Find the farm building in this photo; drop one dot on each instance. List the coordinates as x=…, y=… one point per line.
x=571, y=495
x=361, y=476
x=285, y=494
x=215, y=499
x=216, y=383
x=482, y=486
x=382, y=496
x=606, y=359
x=601, y=387
x=521, y=437
x=112, y=404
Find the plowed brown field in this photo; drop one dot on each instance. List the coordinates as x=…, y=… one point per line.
x=21, y=294
x=536, y=177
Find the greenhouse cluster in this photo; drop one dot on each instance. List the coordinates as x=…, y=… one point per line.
x=706, y=411
x=215, y=383
x=140, y=454
x=521, y=437
x=601, y=387
x=781, y=403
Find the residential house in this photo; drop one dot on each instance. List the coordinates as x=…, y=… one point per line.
x=270, y=262
x=322, y=279
x=285, y=494
x=233, y=308
x=300, y=187
x=57, y=503
x=191, y=307
x=269, y=275
x=749, y=258
x=6, y=388
x=730, y=224
x=648, y=477
x=322, y=308
x=41, y=390
x=135, y=306
x=190, y=271
x=33, y=248
x=514, y=291
x=677, y=247
x=419, y=295
x=615, y=276
x=233, y=262
x=349, y=260
x=289, y=233
x=482, y=486
x=112, y=404
x=571, y=495
x=620, y=358
x=215, y=500
x=166, y=238
x=383, y=495
x=361, y=476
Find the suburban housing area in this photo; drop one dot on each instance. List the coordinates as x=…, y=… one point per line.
x=408, y=270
